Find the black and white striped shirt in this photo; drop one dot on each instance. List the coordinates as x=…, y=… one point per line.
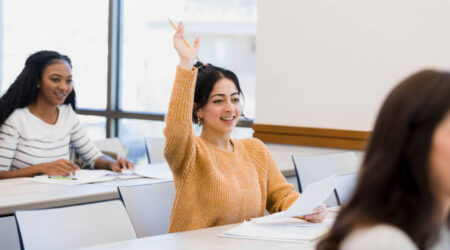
x=26, y=140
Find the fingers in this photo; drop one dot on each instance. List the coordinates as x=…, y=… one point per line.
x=122, y=164
x=196, y=43
x=319, y=215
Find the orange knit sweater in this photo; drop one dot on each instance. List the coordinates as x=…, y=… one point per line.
x=215, y=187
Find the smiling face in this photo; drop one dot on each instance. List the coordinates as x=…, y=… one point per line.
x=56, y=83
x=221, y=113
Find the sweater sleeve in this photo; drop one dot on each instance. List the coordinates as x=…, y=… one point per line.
x=8, y=145
x=82, y=143
x=280, y=194
x=179, y=149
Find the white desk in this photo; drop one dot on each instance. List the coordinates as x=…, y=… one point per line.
x=201, y=239
x=20, y=194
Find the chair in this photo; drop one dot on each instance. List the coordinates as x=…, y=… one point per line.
x=149, y=206
x=9, y=238
x=345, y=184
x=155, y=149
x=112, y=147
x=312, y=168
x=74, y=226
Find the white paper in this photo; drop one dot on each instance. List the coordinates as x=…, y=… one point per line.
x=288, y=231
x=312, y=197
x=155, y=170
x=83, y=176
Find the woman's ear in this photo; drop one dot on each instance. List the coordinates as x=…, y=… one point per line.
x=199, y=113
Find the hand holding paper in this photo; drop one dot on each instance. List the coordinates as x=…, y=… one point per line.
x=311, y=198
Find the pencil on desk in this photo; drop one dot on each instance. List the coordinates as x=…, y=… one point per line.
x=175, y=27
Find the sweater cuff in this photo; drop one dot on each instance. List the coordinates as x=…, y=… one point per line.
x=186, y=76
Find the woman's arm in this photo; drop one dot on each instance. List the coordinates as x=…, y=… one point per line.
x=57, y=168
x=281, y=195
x=179, y=149
x=8, y=146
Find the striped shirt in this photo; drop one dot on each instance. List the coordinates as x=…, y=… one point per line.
x=26, y=140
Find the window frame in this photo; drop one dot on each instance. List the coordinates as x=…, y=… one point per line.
x=113, y=113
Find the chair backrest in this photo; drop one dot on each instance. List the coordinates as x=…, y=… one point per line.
x=345, y=184
x=149, y=206
x=112, y=147
x=155, y=149
x=312, y=168
x=9, y=238
x=74, y=226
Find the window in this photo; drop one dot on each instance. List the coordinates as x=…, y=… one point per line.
x=131, y=42
x=66, y=26
x=227, y=30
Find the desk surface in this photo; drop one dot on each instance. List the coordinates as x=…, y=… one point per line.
x=202, y=239
x=20, y=194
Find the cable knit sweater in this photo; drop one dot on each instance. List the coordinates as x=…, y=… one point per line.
x=215, y=187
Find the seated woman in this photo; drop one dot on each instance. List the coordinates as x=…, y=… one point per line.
x=402, y=198
x=39, y=126
x=218, y=180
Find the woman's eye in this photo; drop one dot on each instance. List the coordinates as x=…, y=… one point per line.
x=217, y=101
x=69, y=81
x=236, y=100
x=55, y=79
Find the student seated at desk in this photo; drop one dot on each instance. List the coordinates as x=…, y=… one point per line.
x=218, y=180
x=39, y=125
x=402, y=199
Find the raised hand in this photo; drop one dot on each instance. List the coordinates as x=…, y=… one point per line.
x=187, y=54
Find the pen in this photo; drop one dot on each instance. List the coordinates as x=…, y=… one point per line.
x=175, y=27
x=61, y=178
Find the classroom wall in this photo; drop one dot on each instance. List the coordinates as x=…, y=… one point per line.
x=329, y=64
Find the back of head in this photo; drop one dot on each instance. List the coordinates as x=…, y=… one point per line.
x=394, y=186
x=23, y=90
x=207, y=77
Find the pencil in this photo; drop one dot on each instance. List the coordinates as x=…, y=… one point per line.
x=175, y=27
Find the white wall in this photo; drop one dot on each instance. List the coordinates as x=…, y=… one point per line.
x=329, y=64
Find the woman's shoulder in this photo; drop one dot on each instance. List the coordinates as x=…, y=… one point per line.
x=17, y=115
x=381, y=236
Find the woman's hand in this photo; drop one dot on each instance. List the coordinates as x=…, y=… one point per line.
x=60, y=167
x=121, y=164
x=319, y=215
x=187, y=55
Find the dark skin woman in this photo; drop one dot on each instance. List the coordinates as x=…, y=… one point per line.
x=42, y=88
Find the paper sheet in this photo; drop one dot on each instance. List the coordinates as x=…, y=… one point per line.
x=83, y=176
x=313, y=196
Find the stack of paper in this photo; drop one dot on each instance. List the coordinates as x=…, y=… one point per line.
x=82, y=176
x=282, y=226
x=291, y=231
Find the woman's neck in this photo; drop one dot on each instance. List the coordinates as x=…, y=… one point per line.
x=45, y=112
x=221, y=141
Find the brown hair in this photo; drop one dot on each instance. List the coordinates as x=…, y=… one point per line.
x=394, y=186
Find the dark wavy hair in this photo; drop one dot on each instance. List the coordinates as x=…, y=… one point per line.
x=208, y=76
x=23, y=90
x=395, y=185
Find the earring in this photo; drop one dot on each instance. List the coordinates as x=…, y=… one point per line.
x=200, y=121
x=38, y=85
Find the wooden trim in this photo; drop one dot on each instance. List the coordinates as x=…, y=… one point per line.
x=319, y=137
